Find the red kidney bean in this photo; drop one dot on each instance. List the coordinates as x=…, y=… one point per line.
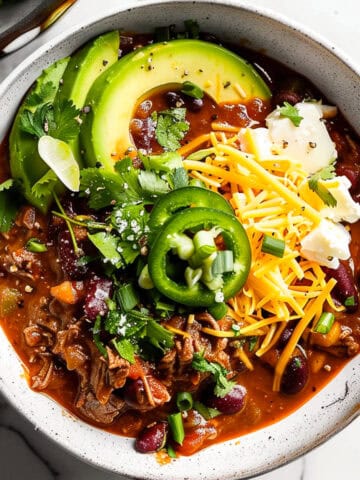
x=152, y=438
x=345, y=287
x=295, y=376
x=99, y=290
x=69, y=261
x=286, y=334
x=352, y=172
x=233, y=402
x=135, y=395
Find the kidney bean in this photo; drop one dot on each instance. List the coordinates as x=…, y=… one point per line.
x=99, y=290
x=152, y=438
x=233, y=402
x=68, y=259
x=134, y=393
x=352, y=172
x=286, y=334
x=345, y=286
x=296, y=375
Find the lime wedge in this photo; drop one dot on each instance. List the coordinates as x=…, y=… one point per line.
x=59, y=157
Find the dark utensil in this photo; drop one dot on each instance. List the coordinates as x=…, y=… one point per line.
x=21, y=21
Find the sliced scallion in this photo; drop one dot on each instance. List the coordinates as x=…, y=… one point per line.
x=96, y=337
x=183, y=245
x=34, y=245
x=325, y=323
x=273, y=246
x=177, y=427
x=171, y=452
x=224, y=262
x=184, y=401
x=127, y=297
x=204, y=243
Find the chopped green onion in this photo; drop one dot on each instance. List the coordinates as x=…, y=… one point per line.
x=127, y=296
x=183, y=245
x=236, y=329
x=35, y=246
x=273, y=246
x=325, y=323
x=349, y=301
x=171, y=452
x=177, y=427
x=192, y=276
x=224, y=262
x=218, y=310
x=204, y=243
x=206, y=412
x=144, y=279
x=184, y=401
x=96, y=337
x=192, y=90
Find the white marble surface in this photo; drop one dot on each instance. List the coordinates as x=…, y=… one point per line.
x=26, y=453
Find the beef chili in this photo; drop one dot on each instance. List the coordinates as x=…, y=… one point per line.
x=203, y=282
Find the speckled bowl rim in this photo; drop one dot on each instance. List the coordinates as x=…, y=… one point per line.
x=258, y=452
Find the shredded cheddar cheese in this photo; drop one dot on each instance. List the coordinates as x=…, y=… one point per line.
x=269, y=196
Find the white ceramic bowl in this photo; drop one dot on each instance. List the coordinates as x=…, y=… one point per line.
x=333, y=407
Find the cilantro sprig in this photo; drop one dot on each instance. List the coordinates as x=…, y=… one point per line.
x=222, y=385
x=171, y=127
x=135, y=331
x=60, y=119
x=291, y=112
x=325, y=173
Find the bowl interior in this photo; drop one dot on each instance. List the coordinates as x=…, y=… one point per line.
x=329, y=410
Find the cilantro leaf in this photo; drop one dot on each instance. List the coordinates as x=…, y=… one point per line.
x=44, y=185
x=192, y=90
x=64, y=120
x=325, y=173
x=9, y=183
x=34, y=122
x=45, y=95
x=103, y=188
x=159, y=336
x=291, y=112
x=8, y=206
x=222, y=385
x=152, y=184
x=179, y=178
x=171, y=128
x=107, y=245
x=125, y=349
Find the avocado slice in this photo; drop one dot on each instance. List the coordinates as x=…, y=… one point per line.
x=83, y=69
x=71, y=78
x=25, y=163
x=223, y=75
